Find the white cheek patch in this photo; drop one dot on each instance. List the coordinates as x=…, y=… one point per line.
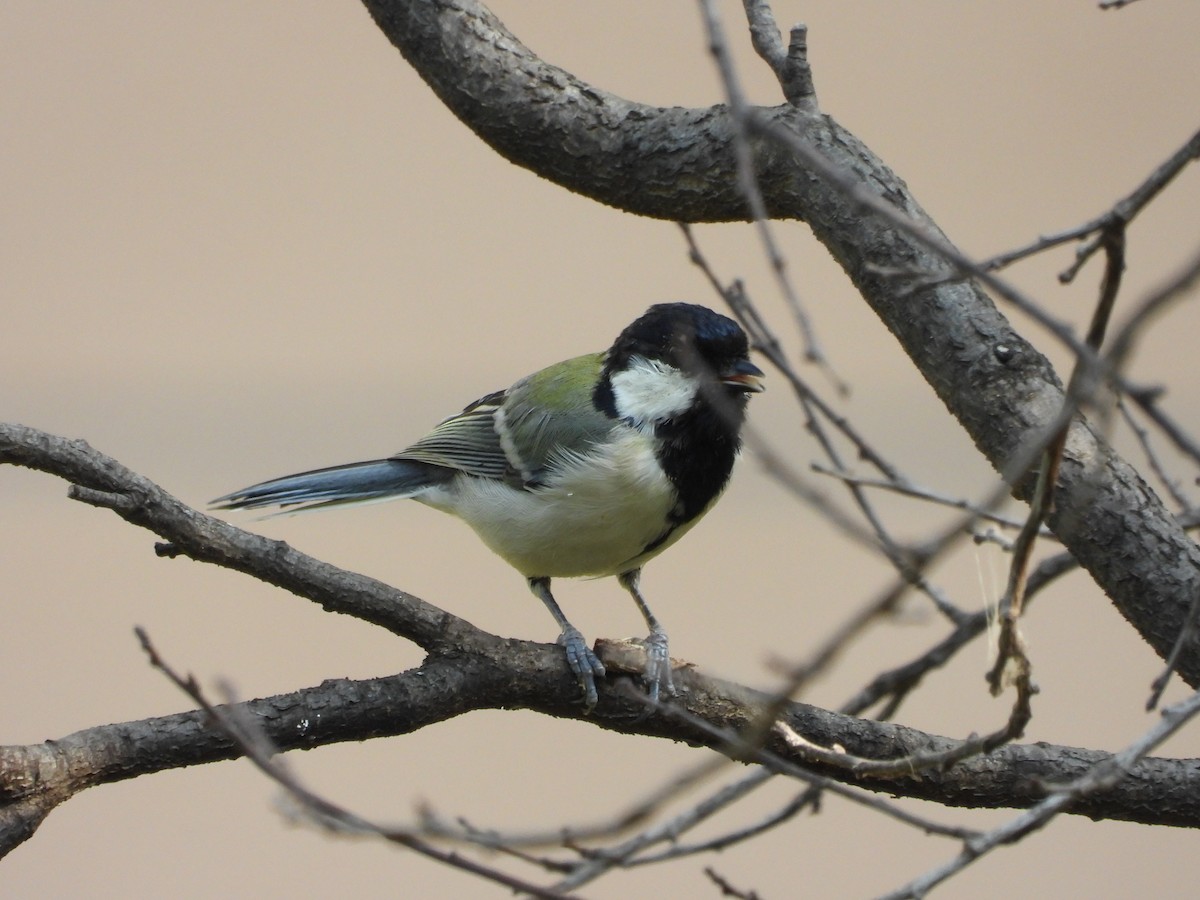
x=649, y=391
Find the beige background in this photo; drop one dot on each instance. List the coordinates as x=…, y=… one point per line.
x=243, y=239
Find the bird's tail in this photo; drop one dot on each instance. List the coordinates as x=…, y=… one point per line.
x=362, y=482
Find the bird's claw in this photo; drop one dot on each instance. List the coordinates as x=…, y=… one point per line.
x=657, y=674
x=584, y=663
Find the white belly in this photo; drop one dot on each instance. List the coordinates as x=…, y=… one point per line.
x=594, y=518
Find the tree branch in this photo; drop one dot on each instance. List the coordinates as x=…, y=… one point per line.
x=102, y=481
x=471, y=669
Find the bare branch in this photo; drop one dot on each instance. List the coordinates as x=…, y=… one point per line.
x=814, y=409
x=791, y=65
x=1169, y=483
x=99, y=480
x=930, y=495
x=748, y=181
x=600, y=861
x=1120, y=215
x=1100, y=777
x=898, y=682
x=727, y=889
x=253, y=742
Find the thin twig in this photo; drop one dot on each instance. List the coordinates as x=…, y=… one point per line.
x=919, y=492
x=740, y=112
x=1124, y=211
x=320, y=811
x=738, y=747
x=1187, y=633
x=1170, y=484
x=903, y=679
x=814, y=409
x=1011, y=649
x=1155, y=304
x=808, y=798
x=1100, y=777
x=726, y=887
x=602, y=860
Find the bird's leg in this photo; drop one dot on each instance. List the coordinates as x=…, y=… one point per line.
x=658, y=657
x=583, y=662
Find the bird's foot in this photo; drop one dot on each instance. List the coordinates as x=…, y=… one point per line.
x=657, y=674
x=583, y=662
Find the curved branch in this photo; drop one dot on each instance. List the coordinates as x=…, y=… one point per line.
x=678, y=164
x=475, y=670
x=100, y=480
x=36, y=778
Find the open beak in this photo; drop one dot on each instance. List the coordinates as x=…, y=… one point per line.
x=745, y=376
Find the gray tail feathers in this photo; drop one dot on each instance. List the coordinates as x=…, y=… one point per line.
x=363, y=482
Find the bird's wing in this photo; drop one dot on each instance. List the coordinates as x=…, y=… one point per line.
x=550, y=417
x=522, y=434
x=467, y=442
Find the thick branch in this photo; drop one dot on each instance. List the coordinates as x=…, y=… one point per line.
x=36, y=778
x=102, y=481
x=678, y=164
x=477, y=670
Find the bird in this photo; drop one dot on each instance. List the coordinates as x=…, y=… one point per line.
x=590, y=467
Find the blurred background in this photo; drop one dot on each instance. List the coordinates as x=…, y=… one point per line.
x=244, y=239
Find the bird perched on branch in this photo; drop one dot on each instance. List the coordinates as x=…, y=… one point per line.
x=590, y=467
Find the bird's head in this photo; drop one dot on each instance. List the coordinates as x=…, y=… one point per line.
x=671, y=358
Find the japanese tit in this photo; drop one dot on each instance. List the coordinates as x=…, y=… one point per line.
x=590, y=467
